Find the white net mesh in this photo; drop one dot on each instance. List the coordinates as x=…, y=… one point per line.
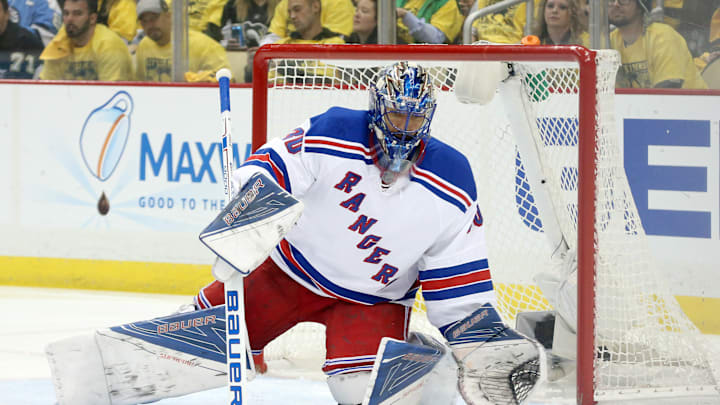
x=645, y=344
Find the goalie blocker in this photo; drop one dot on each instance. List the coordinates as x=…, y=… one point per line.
x=252, y=223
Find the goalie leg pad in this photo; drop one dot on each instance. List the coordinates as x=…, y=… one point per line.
x=77, y=370
x=143, y=361
x=349, y=388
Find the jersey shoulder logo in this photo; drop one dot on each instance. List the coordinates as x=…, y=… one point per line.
x=293, y=140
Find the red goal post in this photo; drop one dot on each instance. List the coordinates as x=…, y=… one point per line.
x=589, y=95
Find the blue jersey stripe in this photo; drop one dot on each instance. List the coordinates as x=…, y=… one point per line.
x=410, y=294
x=337, y=153
x=294, y=269
x=277, y=159
x=319, y=279
x=264, y=165
x=441, y=194
x=476, y=288
x=453, y=270
x=349, y=370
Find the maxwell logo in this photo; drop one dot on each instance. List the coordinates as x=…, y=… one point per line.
x=105, y=134
x=103, y=139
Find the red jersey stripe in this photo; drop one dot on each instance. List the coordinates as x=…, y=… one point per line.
x=465, y=279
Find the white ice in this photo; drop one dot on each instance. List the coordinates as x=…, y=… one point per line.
x=32, y=317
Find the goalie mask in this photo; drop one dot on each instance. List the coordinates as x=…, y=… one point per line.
x=402, y=104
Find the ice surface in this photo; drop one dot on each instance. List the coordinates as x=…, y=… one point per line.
x=32, y=317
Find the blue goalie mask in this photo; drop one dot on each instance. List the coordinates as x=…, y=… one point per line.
x=402, y=104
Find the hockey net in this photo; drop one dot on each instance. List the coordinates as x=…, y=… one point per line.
x=635, y=340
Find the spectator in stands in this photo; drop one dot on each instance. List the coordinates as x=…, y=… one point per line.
x=337, y=16
x=16, y=41
x=505, y=27
x=428, y=21
x=254, y=15
x=467, y=6
x=713, y=42
x=256, y=11
x=119, y=16
x=710, y=60
x=364, y=23
x=690, y=18
x=561, y=24
x=206, y=16
x=305, y=17
x=585, y=13
x=653, y=55
x=85, y=50
x=153, y=59
x=36, y=16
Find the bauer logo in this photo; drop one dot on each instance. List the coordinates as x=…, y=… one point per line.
x=199, y=334
x=235, y=346
x=244, y=202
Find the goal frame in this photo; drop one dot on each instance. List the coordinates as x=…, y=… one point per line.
x=587, y=144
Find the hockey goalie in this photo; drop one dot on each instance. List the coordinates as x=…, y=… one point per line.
x=388, y=209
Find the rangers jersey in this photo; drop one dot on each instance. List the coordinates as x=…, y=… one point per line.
x=364, y=243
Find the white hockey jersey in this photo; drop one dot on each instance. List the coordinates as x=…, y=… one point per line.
x=356, y=241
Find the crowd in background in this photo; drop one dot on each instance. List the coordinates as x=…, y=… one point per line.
x=677, y=46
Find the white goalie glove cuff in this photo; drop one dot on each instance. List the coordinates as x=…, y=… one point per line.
x=222, y=270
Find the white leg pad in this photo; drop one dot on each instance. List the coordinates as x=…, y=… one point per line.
x=77, y=371
x=349, y=388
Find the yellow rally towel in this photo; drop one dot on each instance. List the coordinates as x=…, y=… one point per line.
x=203, y=76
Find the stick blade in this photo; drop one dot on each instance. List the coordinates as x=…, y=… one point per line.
x=253, y=223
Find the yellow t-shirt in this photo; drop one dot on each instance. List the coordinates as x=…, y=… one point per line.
x=584, y=40
x=105, y=57
x=502, y=28
x=293, y=70
x=154, y=63
x=336, y=15
x=447, y=19
x=122, y=18
x=660, y=54
x=203, y=12
x=327, y=36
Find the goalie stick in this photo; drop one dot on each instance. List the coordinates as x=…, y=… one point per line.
x=236, y=332
x=253, y=222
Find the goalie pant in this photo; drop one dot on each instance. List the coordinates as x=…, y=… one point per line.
x=274, y=303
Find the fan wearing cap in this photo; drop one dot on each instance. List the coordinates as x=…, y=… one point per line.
x=652, y=55
x=153, y=60
x=83, y=49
